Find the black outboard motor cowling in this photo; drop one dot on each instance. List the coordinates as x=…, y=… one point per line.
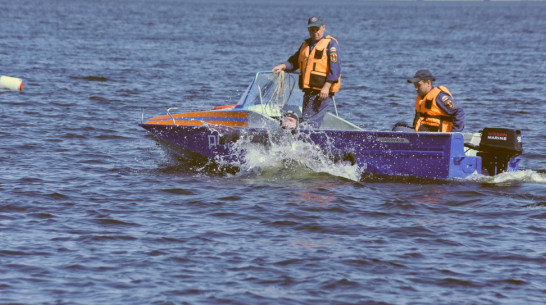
x=497, y=147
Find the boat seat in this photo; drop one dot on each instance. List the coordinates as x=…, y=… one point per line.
x=333, y=122
x=472, y=138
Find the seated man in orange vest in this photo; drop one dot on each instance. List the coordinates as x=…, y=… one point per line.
x=320, y=71
x=435, y=108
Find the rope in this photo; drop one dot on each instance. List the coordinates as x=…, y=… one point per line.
x=279, y=95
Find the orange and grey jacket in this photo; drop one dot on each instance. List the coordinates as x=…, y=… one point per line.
x=437, y=111
x=318, y=62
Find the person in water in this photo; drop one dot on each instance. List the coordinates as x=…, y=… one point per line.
x=435, y=107
x=320, y=71
x=290, y=121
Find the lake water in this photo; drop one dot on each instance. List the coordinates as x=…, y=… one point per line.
x=93, y=211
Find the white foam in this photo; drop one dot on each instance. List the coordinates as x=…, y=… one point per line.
x=517, y=176
x=524, y=175
x=294, y=153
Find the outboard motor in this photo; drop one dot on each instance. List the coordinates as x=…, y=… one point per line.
x=498, y=149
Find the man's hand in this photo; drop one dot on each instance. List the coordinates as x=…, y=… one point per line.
x=325, y=91
x=279, y=68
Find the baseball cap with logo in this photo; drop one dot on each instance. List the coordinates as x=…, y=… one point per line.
x=421, y=75
x=314, y=22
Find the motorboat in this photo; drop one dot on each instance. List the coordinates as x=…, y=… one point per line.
x=224, y=135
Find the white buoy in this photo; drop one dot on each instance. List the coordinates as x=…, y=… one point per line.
x=11, y=83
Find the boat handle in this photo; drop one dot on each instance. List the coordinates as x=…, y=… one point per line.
x=169, y=113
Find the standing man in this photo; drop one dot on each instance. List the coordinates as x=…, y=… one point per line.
x=435, y=108
x=320, y=71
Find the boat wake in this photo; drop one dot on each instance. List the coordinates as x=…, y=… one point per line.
x=508, y=177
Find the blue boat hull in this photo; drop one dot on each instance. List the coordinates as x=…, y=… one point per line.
x=424, y=155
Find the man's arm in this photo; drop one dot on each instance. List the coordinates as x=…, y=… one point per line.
x=334, y=61
x=453, y=109
x=290, y=65
x=335, y=69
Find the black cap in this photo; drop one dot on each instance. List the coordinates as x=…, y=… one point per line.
x=421, y=75
x=291, y=114
x=314, y=21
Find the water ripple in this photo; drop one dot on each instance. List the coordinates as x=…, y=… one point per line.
x=92, y=211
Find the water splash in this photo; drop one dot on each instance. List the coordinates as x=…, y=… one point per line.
x=292, y=155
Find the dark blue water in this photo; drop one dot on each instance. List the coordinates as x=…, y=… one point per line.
x=92, y=210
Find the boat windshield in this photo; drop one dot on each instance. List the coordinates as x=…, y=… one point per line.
x=271, y=92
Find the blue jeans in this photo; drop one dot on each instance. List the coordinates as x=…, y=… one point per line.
x=314, y=109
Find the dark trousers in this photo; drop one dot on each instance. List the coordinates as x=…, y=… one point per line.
x=314, y=109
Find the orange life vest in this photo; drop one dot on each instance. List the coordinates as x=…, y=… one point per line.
x=314, y=66
x=430, y=117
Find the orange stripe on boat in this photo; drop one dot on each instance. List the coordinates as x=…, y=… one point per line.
x=170, y=122
x=215, y=114
x=225, y=118
x=224, y=107
x=199, y=123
